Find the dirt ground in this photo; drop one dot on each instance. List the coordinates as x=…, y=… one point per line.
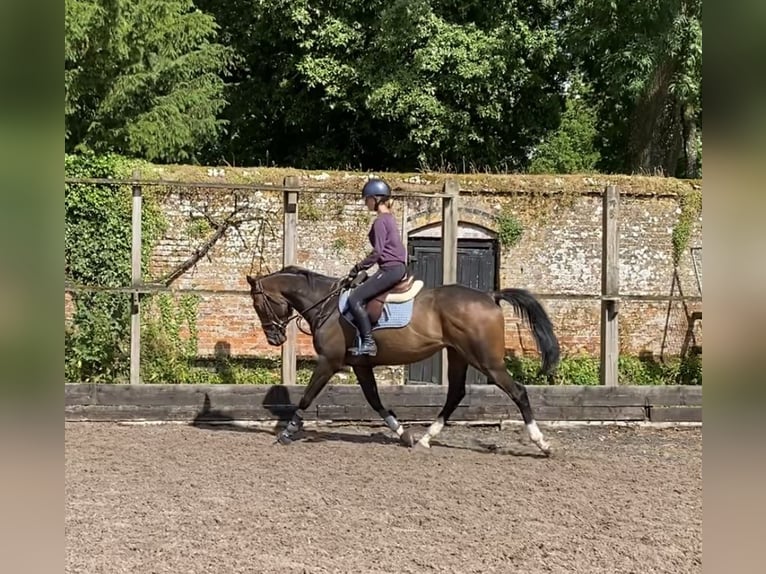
x=179, y=499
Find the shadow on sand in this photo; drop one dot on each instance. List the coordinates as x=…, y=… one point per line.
x=277, y=403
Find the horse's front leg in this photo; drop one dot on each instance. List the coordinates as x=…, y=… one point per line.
x=323, y=371
x=366, y=378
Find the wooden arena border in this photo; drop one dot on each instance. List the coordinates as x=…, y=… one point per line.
x=345, y=403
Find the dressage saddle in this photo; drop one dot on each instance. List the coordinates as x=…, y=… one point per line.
x=403, y=291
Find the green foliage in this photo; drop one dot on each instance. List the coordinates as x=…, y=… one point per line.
x=691, y=208
x=584, y=370
x=142, y=78
x=509, y=229
x=644, y=61
x=572, y=147
x=165, y=353
x=398, y=85
x=235, y=371
x=97, y=246
x=390, y=85
x=678, y=371
x=198, y=229
x=578, y=370
x=690, y=370
x=308, y=209
x=338, y=245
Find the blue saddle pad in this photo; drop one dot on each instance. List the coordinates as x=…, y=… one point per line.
x=394, y=315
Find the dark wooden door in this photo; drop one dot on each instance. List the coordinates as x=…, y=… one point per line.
x=476, y=267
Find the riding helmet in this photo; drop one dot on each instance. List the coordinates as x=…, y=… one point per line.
x=376, y=188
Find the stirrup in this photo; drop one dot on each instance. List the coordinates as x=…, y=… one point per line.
x=365, y=348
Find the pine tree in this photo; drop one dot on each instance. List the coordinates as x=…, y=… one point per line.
x=142, y=78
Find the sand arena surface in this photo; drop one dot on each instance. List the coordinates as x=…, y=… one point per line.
x=179, y=499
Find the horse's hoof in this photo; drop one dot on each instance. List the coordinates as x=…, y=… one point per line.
x=545, y=448
x=421, y=448
x=407, y=439
x=284, y=439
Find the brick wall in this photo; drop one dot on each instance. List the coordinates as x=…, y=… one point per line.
x=559, y=251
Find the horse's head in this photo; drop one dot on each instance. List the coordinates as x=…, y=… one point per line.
x=271, y=306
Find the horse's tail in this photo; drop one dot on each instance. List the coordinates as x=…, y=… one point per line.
x=531, y=311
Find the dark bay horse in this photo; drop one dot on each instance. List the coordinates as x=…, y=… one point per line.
x=468, y=322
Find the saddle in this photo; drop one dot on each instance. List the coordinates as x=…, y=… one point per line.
x=403, y=291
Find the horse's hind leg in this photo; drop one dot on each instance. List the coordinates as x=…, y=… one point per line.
x=518, y=394
x=366, y=378
x=457, y=368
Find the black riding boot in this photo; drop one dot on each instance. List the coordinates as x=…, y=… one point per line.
x=362, y=320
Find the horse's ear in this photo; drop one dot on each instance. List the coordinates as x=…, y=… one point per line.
x=251, y=281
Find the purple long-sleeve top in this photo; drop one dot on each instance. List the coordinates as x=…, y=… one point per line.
x=387, y=248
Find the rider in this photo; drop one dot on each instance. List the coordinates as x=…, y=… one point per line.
x=388, y=252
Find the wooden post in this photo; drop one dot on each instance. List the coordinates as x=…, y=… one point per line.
x=449, y=246
x=404, y=225
x=610, y=288
x=135, y=276
x=289, y=250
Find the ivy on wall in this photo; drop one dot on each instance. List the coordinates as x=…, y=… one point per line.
x=691, y=208
x=97, y=247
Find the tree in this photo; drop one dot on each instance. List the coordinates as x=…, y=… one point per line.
x=390, y=85
x=572, y=147
x=142, y=77
x=644, y=60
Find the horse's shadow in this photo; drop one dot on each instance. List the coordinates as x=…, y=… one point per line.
x=277, y=402
x=484, y=447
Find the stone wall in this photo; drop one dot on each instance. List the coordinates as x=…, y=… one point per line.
x=559, y=250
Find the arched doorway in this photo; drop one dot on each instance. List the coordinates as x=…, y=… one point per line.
x=477, y=265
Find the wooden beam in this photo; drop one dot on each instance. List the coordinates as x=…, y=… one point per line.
x=449, y=246
x=610, y=287
x=289, y=257
x=135, y=278
x=675, y=414
x=163, y=402
x=404, y=226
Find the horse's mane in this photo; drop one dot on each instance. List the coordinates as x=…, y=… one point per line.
x=315, y=280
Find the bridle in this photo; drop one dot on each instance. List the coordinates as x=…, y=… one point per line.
x=273, y=319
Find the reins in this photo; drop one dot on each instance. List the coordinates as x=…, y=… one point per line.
x=297, y=317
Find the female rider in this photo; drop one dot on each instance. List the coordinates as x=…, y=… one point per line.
x=387, y=251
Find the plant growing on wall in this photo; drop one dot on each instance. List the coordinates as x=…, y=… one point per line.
x=308, y=210
x=691, y=208
x=509, y=229
x=338, y=245
x=97, y=243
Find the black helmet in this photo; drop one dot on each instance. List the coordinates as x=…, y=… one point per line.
x=376, y=188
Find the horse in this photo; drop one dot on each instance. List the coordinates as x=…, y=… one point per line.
x=467, y=322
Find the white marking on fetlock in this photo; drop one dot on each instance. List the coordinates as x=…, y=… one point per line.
x=534, y=432
x=435, y=428
x=400, y=430
x=537, y=437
